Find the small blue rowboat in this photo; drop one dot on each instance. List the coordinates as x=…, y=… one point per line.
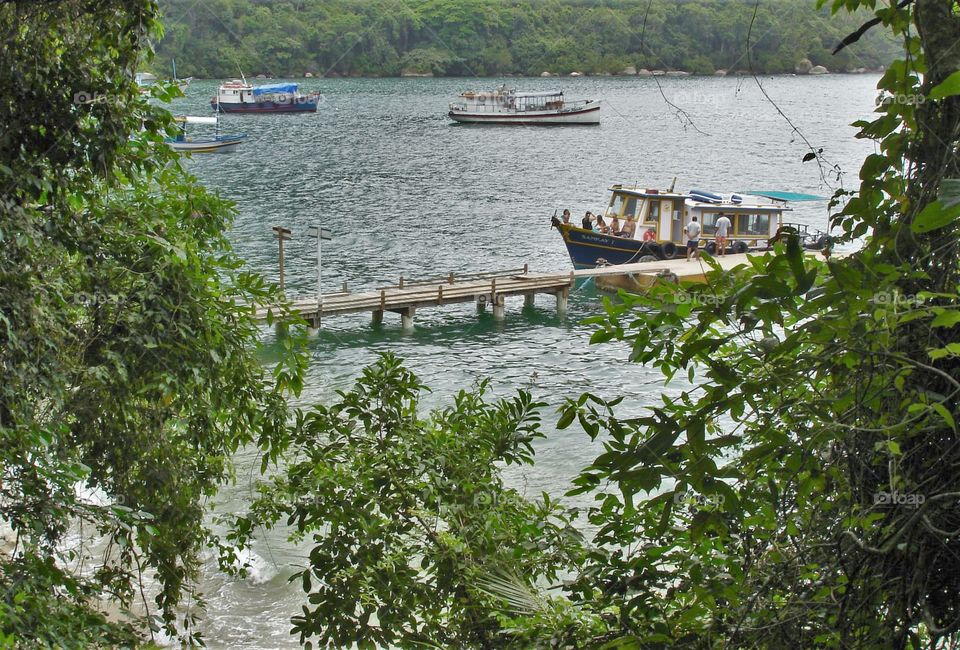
x=216, y=143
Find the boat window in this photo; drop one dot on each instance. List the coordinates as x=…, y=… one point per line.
x=616, y=205
x=654, y=213
x=709, y=224
x=753, y=224
x=630, y=212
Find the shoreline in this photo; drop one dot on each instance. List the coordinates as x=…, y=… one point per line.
x=673, y=74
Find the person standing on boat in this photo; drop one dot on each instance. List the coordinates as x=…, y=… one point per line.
x=693, y=239
x=720, y=237
x=566, y=217
x=588, y=221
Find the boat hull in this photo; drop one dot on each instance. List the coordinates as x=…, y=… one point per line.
x=305, y=105
x=590, y=114
x=588, y=249
x=221, y=144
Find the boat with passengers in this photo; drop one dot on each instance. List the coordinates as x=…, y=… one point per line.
x=510, y=106
x=651, y=225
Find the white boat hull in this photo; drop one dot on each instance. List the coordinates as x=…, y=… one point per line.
x=210, y=145
x=587, y=114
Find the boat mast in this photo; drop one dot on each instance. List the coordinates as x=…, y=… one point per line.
x=174, y=63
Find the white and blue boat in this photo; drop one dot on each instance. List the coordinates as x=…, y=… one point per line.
x=216, y=143
x=652, y=225
x=238, y=96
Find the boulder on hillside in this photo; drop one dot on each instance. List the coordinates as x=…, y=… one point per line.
x=308, y=75
x=678, y=73
x=261, y=76
x=575, y=74
x=414, y=73
x=629, y=70
x=819, y=69
x=720, y=73
x=643, y=72
x=545, y=74
x=803, y=66
x=659, y=73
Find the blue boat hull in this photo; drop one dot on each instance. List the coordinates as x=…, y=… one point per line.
x=588, y=249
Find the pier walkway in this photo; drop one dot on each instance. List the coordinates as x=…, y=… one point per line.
x=492, y=288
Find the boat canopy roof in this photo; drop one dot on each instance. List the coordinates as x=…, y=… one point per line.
x=646, y=193
x=777, y=195
x=273, y=89
x=192, y=119
x=540, y=94
x=736, y=208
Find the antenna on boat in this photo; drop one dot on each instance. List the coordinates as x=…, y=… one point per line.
x=241, y=74
x=672, y=185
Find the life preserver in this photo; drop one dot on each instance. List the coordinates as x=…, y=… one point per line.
x=649, y=235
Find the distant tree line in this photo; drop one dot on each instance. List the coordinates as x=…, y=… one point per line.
x=217, y=38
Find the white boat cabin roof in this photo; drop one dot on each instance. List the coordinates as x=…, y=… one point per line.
x=748, y=203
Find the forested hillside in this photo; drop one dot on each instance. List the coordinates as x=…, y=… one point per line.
x=215, y=38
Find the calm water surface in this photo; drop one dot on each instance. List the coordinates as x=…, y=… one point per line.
x=405, y=192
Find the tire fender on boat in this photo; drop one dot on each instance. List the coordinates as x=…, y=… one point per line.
x=669, y=250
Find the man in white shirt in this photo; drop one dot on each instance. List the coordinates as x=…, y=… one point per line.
x=720, y=237
x=692, y=230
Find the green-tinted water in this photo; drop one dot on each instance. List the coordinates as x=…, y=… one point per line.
x=406, y=192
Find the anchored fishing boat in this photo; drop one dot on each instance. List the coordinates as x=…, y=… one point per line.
x=509, y=106
x=238, y=96
x=205, y=144
x=646, y=225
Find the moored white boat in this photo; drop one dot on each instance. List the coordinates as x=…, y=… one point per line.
x=509, y=106
x=216, y=143
x=238, y=96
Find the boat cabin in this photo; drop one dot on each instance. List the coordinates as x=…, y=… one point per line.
x=666, y=214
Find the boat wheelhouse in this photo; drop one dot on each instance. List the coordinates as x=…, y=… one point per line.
x=238, y=96
x=509, y=106
x=651, y=225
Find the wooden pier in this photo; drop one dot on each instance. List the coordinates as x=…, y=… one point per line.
x=493, y=288
x=407, y=296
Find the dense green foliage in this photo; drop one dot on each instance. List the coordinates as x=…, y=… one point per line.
x=128, y=373
x=486, y=37
x=409, y=515
x=802, y=493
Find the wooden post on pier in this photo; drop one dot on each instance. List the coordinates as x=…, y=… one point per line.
x=528, y=300
x=406, y=318
x=499, y=308
x=562, y=297
x=283, y=234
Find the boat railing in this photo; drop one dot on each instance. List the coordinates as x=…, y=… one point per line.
x=520, y=106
